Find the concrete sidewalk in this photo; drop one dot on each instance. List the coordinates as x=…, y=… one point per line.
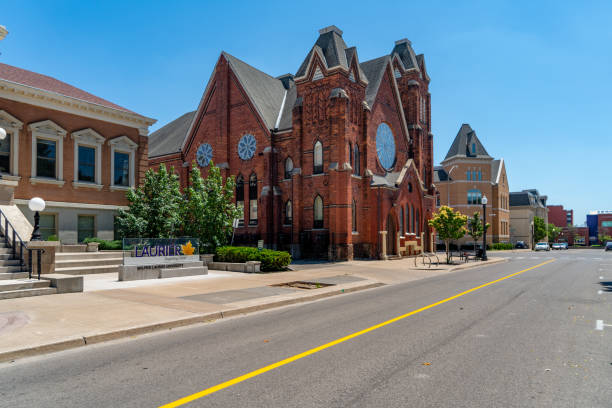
x=109, y=309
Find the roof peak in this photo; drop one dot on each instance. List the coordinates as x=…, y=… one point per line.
x=403, y=41
x=331, y=29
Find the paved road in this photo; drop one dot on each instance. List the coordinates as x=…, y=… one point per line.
x=532, y=340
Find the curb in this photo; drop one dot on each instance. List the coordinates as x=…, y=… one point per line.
x=156, y=327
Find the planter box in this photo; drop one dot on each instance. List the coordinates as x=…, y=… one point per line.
x=247, y=267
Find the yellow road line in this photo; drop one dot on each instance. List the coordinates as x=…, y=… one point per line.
x=291, y=359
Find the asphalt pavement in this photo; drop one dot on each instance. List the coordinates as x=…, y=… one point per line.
x=536, y=339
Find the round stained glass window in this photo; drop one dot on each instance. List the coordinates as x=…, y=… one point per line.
x=204, y=154
x=247, y=146
x=385, y=146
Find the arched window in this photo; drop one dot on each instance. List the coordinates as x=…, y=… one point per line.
x=473, y=148
x=354, y=215
x=240, y=197
x=318, y=158
x=253, y=199
x=288, y=213
x=288, y=167
x=411, y=218
x=474, y=197
x=318, y=212
x=401, y=221
x=356, y=170
x=407, y=220
x=417, y=223
x=350, y=153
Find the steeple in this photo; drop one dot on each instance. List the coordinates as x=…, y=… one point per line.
x=466, y=144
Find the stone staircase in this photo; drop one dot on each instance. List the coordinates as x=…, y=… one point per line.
x=14, y=282
x=85, y=263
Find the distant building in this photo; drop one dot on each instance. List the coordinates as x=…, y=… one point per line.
x=524, y=207
x=599, y=224
x=466, y=175
x=559, y=216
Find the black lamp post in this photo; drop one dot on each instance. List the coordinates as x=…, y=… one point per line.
x=484, y=235
x=36, y=204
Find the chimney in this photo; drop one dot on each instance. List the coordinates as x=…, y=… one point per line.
x=3, y=32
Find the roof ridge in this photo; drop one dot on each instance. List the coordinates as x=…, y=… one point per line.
x=250, y=66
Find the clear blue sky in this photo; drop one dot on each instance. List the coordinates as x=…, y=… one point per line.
x=533, y=78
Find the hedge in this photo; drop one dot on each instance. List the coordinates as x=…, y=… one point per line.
x=270, y=260
x=104, y=244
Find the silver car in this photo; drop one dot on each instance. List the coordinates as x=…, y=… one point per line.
x=542, y=246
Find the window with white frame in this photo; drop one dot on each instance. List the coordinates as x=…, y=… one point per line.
x=9, y=150
x=87, y=158
x=123, y=162
x=47, y=152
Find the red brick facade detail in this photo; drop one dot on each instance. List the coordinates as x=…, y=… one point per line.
x=363, y=204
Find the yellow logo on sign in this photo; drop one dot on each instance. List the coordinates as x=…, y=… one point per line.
x=188, y=248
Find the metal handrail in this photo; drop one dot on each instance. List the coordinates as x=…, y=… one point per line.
x=16, y=237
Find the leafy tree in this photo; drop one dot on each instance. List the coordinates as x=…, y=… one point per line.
x=153, y=210
x=553, y=232
x=476, y=228
x=208, y=210
x=449, y=224
x=603, y=238
x=539, y=229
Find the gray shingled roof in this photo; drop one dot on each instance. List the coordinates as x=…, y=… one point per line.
x=374, y=70
x=462, y=145
x=405, y=52
x=495, y=164
x=266, y=92
x=168, y=139
x=527, y=198
x=440, y=174
x=333, y=49
x=286, y=120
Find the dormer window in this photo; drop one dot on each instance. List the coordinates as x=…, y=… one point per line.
x=397, y=73
x=317, y=75
x=473, y=148
x=352, y=76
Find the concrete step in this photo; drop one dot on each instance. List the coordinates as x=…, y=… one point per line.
x=11, y=268
x=12, y=294
x=13, y=275
x=88, y=270
x=16, y=284
x=87, y=255
x=10, y=262
x=88, y=262
x=4, y=250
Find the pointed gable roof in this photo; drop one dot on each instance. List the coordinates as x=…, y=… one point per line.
x=463, y=144
x=332, y=48
x=374, y=71
x=403, y=49
x=265, y=92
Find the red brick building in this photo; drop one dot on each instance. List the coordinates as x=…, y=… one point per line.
x=335, y=161
x=559, y=216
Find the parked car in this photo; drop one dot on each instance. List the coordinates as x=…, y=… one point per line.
x=542, y=246
x=564, y=245
x=557, y=245
x=609, y=246
x=520, y=245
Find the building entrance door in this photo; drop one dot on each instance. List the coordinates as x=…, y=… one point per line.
x=391, y=236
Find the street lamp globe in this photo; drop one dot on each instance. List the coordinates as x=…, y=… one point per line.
x=2, y=133
x=36, y=204
x=485, y=200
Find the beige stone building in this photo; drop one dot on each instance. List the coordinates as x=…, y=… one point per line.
x=524, y=206
x=469, y=173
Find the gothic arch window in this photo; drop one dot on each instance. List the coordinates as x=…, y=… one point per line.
x=253, y=199
x=318, y=158
x=407, y=224
x=288, y=167
x=357, y=159
x=354, y=215
x=350, y=153
x=417, y=223
x=474, y=197
x=410, y=187
x=240, y=197
x=318, y=212
x=288, y=213
x=401, y=221
x=411, y=218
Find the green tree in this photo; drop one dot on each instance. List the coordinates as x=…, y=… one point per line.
x=553, y=232
x=208, y=210
x=539, y=229
x=449, y=224
x=153, y=209
x=475, y=227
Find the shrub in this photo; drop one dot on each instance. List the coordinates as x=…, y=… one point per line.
x=270, y=260
x=52, y=238
x=500, y=246
x=104, y=244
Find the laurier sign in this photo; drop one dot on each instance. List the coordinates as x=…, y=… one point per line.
x=160, y=252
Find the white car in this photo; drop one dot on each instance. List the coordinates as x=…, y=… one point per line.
x=542, y=246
